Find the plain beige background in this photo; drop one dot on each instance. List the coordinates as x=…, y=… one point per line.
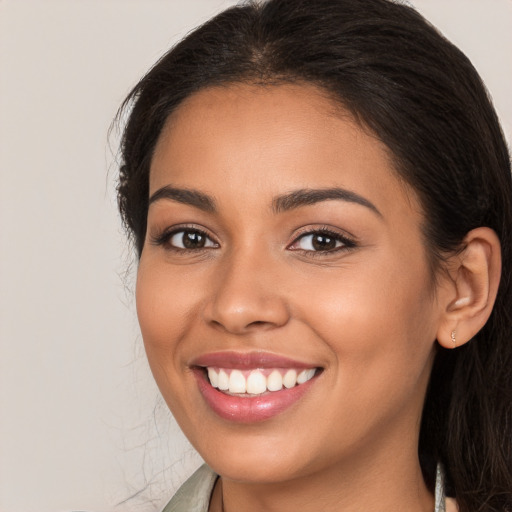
x=80, y=425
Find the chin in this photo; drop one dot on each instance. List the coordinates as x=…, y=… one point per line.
x=259, y=467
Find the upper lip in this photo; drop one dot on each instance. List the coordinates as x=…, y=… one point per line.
x=248, y=360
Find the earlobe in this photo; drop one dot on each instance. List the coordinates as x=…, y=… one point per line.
x=475, y=274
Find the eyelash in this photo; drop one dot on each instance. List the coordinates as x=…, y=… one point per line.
x=346, y=243
x=164, y=238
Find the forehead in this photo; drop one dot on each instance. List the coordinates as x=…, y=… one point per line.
x=259, y=140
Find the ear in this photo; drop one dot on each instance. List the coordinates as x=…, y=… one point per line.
x=471, y=292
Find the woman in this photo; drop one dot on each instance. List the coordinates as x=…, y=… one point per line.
x=320, y=197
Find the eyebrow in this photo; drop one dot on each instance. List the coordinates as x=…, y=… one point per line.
x=283, y=203
x=305, y=197
x=186, y=196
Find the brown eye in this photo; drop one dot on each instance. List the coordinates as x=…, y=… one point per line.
x=319, y=242
x=322, y=242
x=190, y=239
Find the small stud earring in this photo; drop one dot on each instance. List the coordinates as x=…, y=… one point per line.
x=454, y=341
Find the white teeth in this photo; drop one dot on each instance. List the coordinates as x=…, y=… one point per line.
x=214, y=377
x=275, y=381
x=305, y=375
x=223, y=382
x=255, y=382
x=237, y=382
x=290, y=379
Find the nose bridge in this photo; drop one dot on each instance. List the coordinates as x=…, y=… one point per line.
x=246, y=295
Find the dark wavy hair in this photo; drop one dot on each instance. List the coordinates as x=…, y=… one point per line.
x=421, y=97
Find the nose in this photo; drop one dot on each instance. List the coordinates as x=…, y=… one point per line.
x=246, y=296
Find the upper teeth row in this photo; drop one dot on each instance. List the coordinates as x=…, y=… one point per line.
x=256, y=382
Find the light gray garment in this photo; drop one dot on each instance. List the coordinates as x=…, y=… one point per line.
x=439, y=497
x=194, y=495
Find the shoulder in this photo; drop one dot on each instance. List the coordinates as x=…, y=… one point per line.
x=194, y=494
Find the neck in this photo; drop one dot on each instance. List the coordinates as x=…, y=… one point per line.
x=387, y=482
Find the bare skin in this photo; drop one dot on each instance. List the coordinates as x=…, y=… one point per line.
x=362, y=308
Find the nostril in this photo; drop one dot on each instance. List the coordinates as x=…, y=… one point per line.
x=243, y=312
x=256, y=324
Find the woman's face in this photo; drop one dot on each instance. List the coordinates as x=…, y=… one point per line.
x=281, y=243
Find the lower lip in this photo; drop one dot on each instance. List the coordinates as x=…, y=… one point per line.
x=250, y=409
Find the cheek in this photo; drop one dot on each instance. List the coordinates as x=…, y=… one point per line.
x=164, y=309
x=379, y=322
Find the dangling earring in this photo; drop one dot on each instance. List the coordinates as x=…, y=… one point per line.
x=454, y=341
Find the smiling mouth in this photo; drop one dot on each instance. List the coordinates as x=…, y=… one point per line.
x=252, y=387
x=258, y=381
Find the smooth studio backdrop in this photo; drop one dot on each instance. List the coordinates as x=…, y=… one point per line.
x=81, y=427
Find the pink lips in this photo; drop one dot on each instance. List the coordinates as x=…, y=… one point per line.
x=247, y=408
